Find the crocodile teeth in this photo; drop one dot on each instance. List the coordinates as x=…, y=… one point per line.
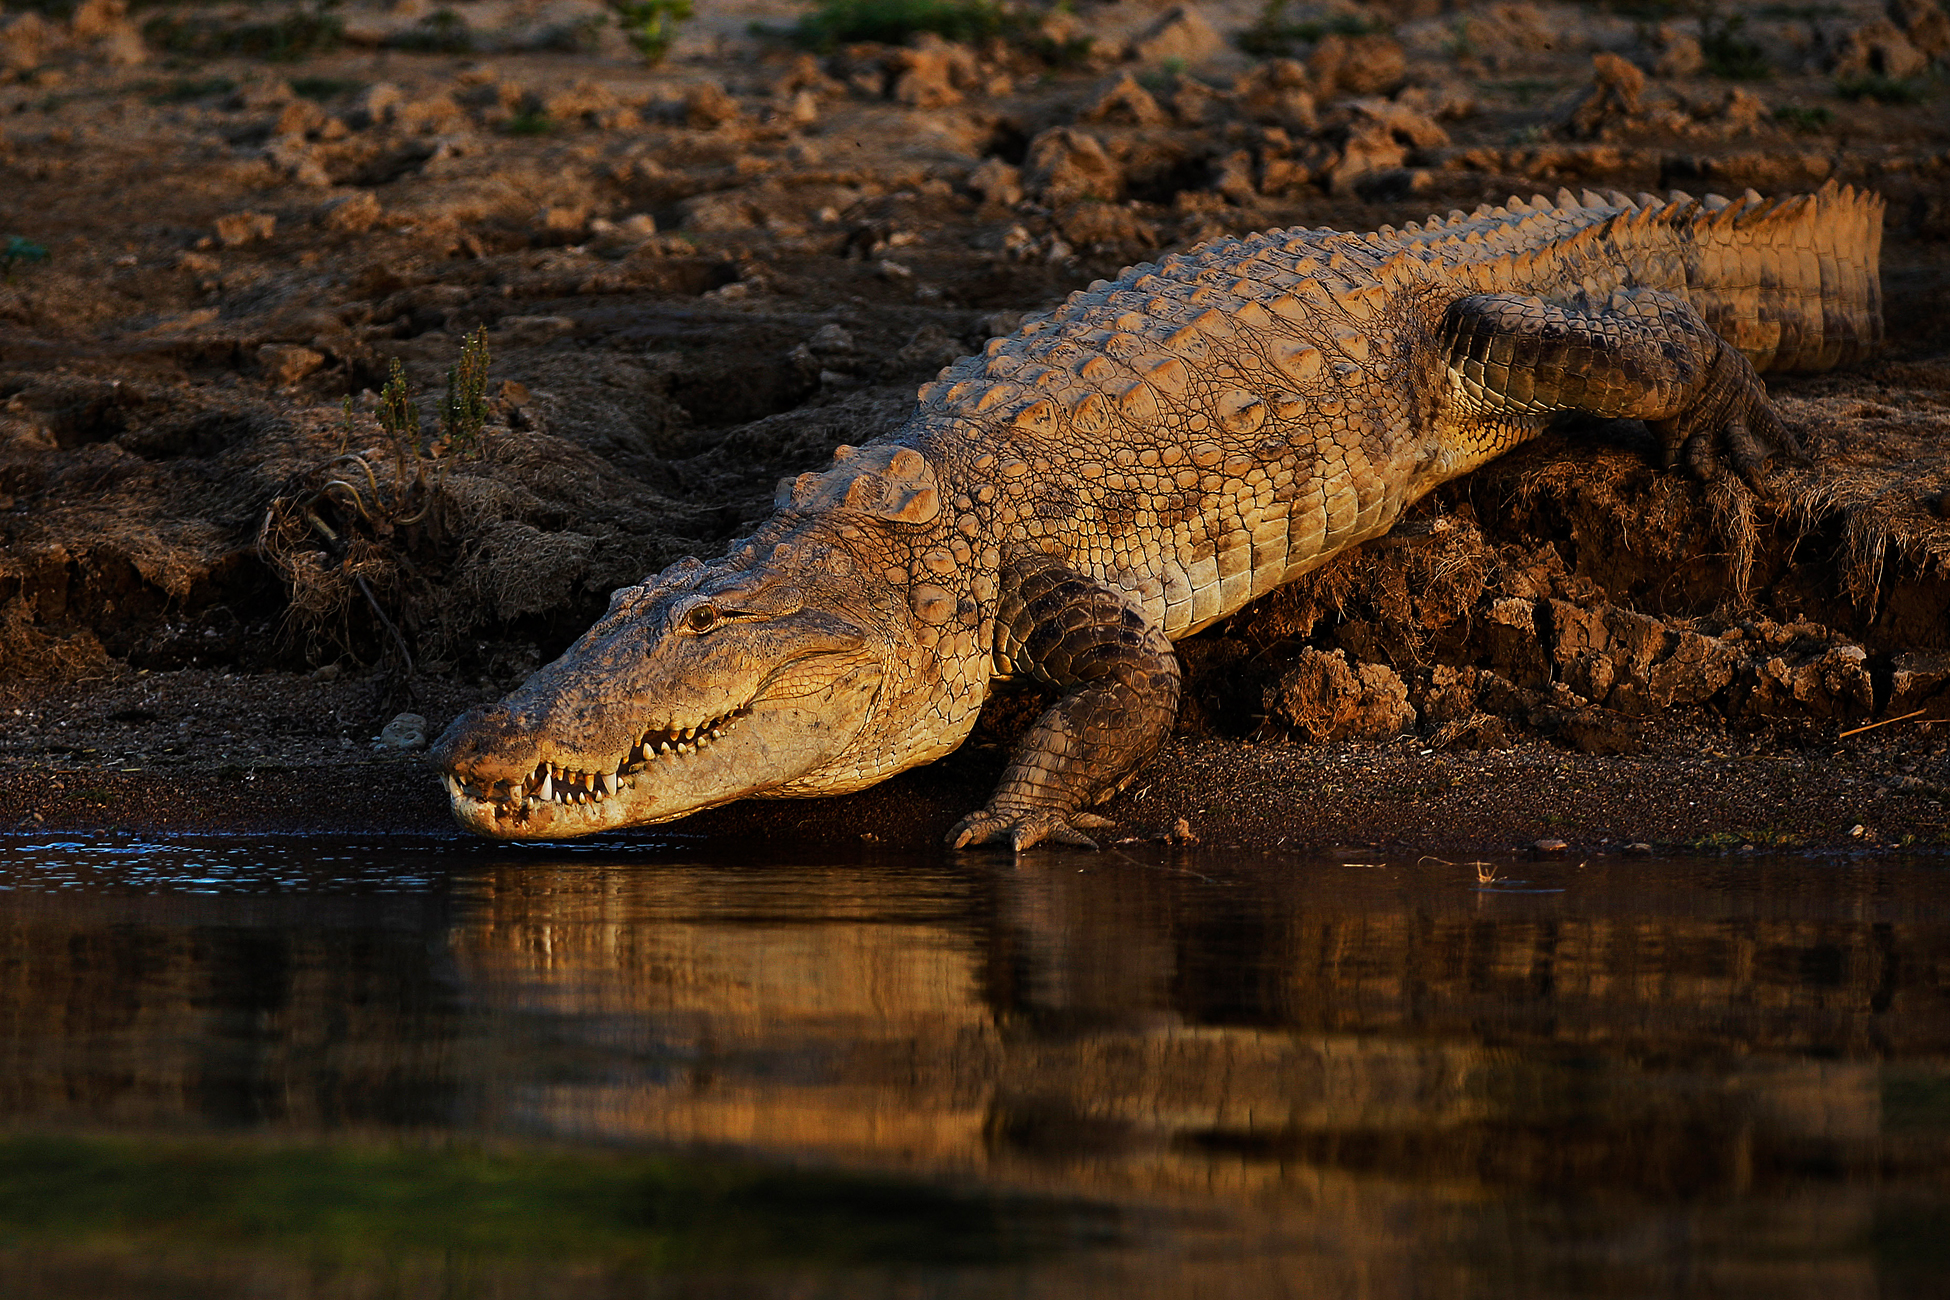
x=546, y=790
x=606, y=783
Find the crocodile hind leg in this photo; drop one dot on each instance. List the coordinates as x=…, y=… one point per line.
x=1644, y=354
x=1121, y=684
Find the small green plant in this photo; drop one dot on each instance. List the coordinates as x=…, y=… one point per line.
x=1728, y=53
x=184, y=89
x=464, y=411
x=16, y=250
x=893, y=22
x=1271, y=34
x=1798, y=117
x=323, y=88
x=441, y=32
x=1884, y=90
x=328, y=537
x=529, y=121
x=651, y=25
x=286, y=39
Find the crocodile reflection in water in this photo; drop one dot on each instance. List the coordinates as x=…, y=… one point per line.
x=1385, y=1062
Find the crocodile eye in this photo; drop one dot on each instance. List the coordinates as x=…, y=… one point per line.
x=702, y=618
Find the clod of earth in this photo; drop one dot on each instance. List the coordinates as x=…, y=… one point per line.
x=1159, y=451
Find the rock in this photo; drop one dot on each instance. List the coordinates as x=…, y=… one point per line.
x=1181, y=35
x=1357, y=65
x=1881, y=49
x=1638, y=849
x=245, y=227
x=1613, y=100
x=1772, y=171
x=586, y=103
x=405, y=731
x=104, y=25
x=353, y=215
x=1509, y=634
x=434, y=115
x=805, y=74
x=928, y=74
x=1601, y=731
x=716, y=213
x=707, y=106
x=94, y=19
x=1918, y=679
x=1550, y=848
x=376, y=105
x=1925, y=24
x=1680, y=53
x=299, y=117
x=1696, y=669
x=26, y=40
x=1232, y=177
x=1830, y=683
x=1064, y=164
x=1193, y=103
x=1276, y=92
x=1181, y=834
x=1741, y=111
x=1379, y=136
x=997, y=182
x=1324, y=697
x=1110, y=226
x=1124, y=102
x=285, y=365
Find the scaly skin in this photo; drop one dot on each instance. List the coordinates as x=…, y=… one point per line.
x=1152, y=456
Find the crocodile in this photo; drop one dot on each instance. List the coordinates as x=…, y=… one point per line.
x=1142, y=461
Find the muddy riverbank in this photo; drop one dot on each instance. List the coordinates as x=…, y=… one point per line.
x=218, y=582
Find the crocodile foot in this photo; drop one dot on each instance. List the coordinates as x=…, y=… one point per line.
x=1732, y=422
x=1026, y=828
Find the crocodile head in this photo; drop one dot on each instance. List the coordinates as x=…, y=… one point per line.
x=705, y=684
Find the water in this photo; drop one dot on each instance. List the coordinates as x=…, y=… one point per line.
x=292, y=1067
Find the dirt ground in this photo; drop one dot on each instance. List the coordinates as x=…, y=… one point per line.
x=219, y=580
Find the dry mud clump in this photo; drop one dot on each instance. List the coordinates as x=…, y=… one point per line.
x=698, y=277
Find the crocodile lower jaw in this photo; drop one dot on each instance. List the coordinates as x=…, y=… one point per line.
x=561, y=798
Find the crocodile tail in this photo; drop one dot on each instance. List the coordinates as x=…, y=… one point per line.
x=1794, y=283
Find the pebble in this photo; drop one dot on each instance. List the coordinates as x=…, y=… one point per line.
x=405, y=731
x=1550, y=848
x=1638, y=849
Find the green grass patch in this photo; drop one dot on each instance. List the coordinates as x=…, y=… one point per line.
x=16, y=250
x=895, y=22
x=1797, y=117
x=323, y=88
x=530, y=121
x=285, y=39
x=1272, y=34
x=651, y=25
x=1771, y=837
x=348, y=1204
x=441, y=32
x=1729, y=54
x=184, y=89
x=1884, y=90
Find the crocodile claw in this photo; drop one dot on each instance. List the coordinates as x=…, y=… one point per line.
x=1026, y=829
x=1732, y=423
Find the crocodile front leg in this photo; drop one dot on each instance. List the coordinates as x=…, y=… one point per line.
x=1121, y=681
x=1645, y=354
